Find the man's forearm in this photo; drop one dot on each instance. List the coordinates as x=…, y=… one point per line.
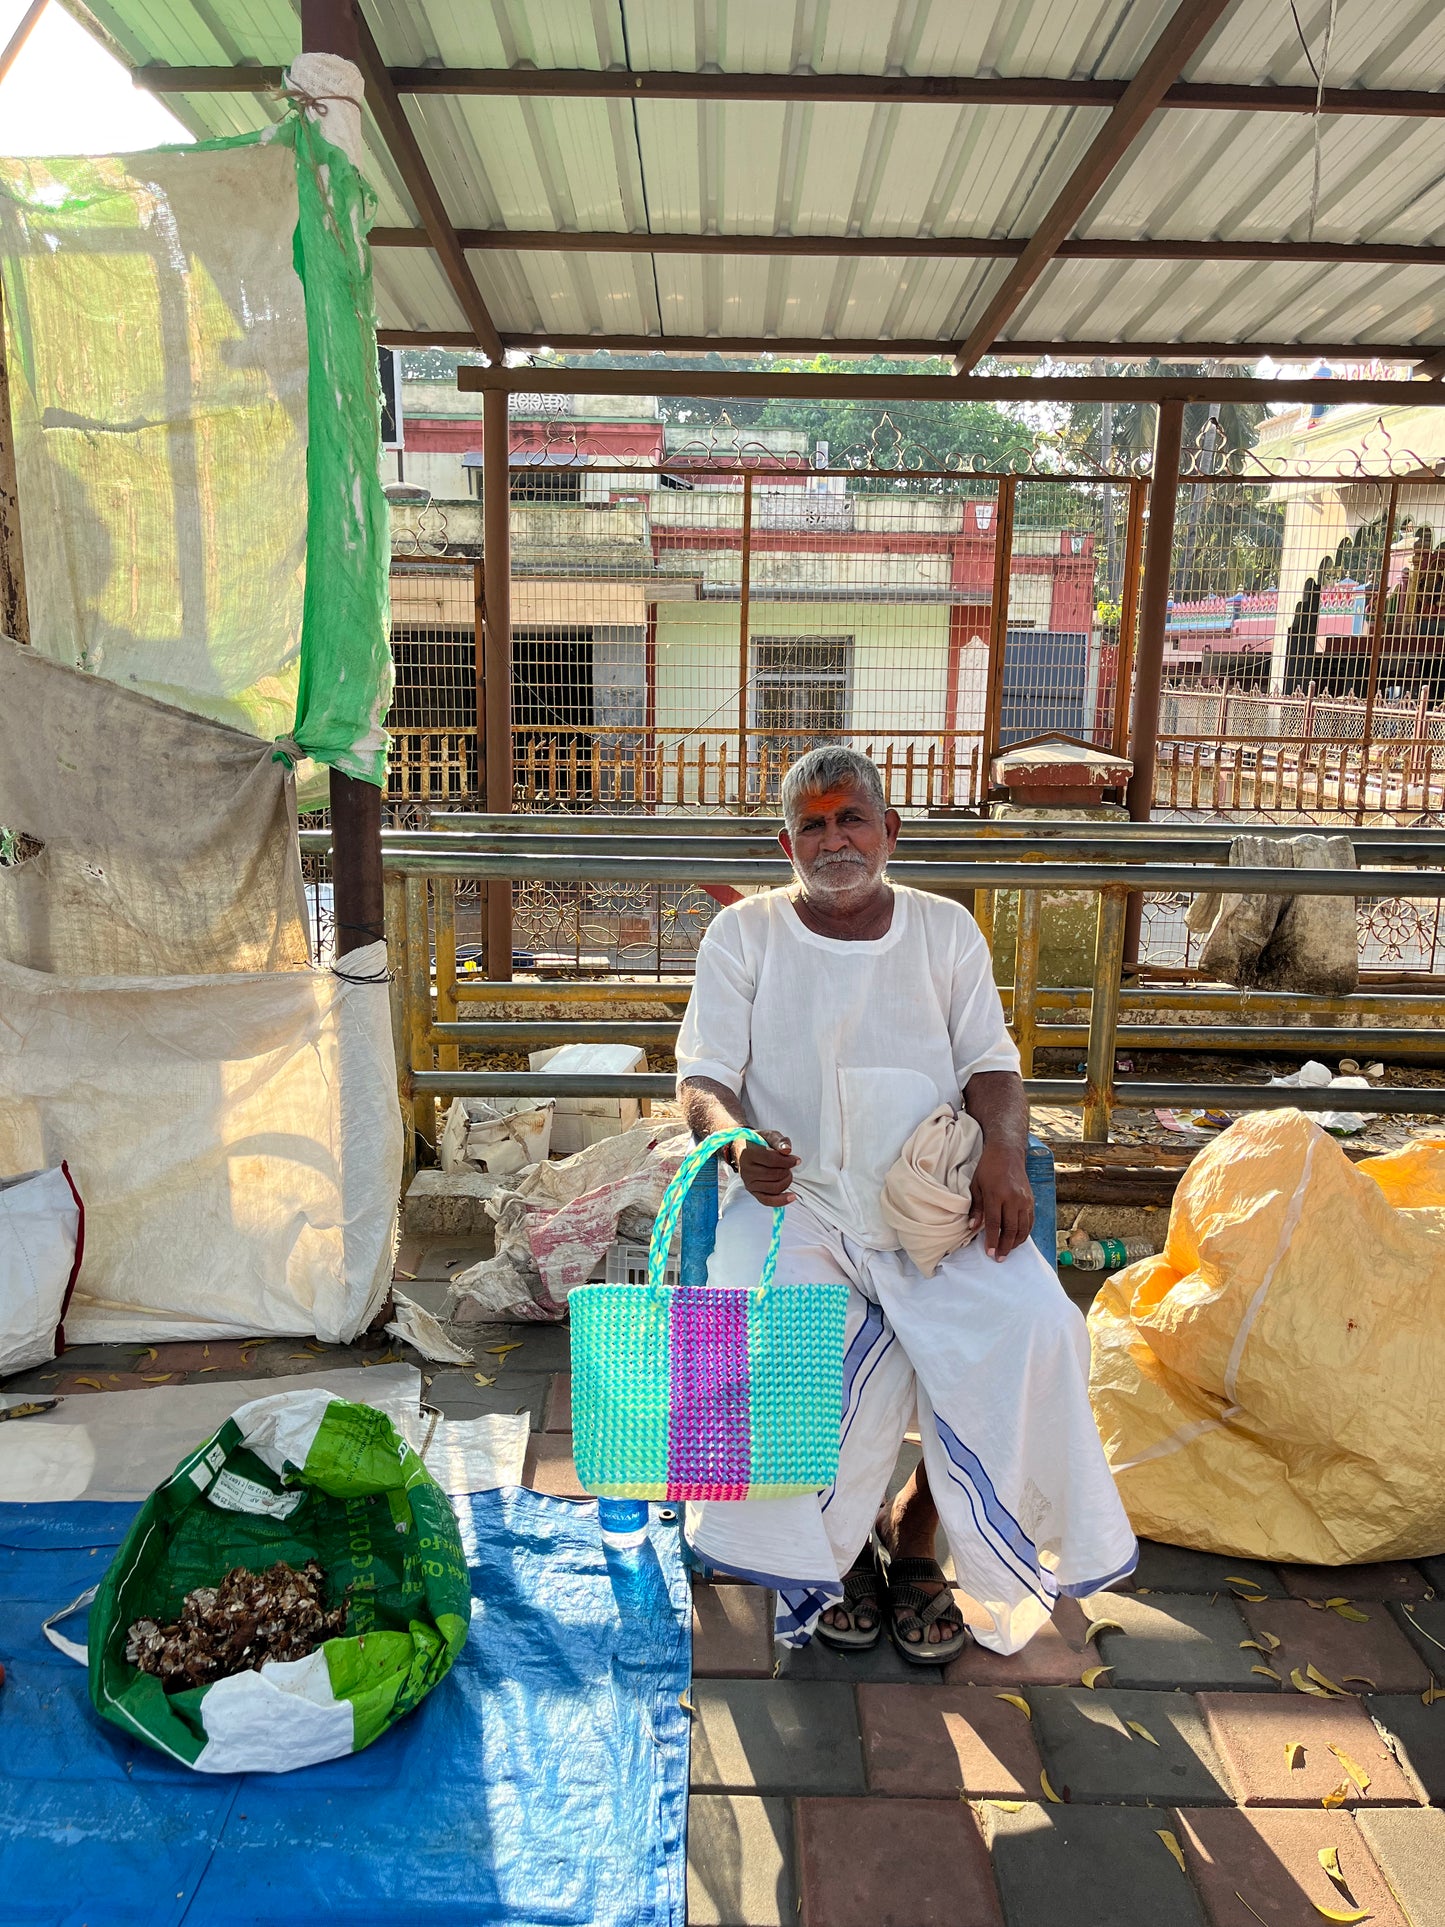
x=708, y=1106
x=996, y=1102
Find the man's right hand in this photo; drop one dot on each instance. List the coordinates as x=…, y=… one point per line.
x=766, y=1174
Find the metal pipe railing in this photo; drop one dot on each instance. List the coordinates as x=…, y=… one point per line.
x=430, y=1039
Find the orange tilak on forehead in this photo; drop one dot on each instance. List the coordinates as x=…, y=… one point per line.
x=825, y=802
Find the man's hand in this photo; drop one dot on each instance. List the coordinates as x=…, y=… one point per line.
x=1003, y=1203
x=766, y=1174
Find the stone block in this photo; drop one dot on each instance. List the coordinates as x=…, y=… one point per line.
x=449, y=1204
x=550, y=1467
x=1390, y=1579
x=1094, y=1866
x=1253, y=1732
x=775, y=1736
x=1055, y=1656
x=1177, y=1639
x=962, y=1739
x=1348, y=1654
x=1092, y=1755
x=893, y=1863
x=740, y=1862
x=732, y=1632
x=1409, y=1848
x=455, y=1392
x=1418, y=1732
x=1180, y=1569
x=1263, y=1865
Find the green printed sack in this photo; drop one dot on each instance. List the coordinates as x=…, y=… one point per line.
x=297, y=1476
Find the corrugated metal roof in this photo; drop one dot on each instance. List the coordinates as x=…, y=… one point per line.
x=828, y=169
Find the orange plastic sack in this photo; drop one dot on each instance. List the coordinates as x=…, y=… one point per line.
x=1271, y=1384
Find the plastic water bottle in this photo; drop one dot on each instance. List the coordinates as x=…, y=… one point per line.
x=1106, y=1254
x=623, y=1522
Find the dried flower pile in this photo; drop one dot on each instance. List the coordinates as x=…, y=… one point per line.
x=235, y=1627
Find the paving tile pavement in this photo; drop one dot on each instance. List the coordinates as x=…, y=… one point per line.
x=455, y=1392
x=1089, y=1867
x=732, y=1632
x=775, y=1736
x=1418, y=1732
x=1342, y=1650
x=1409, y=1847
x=559, y=1404
x=1391, y=1579
x=882, y=1664
x=961, y=1739
x=1055, y=1656
x=1178, y=1639
x=1253, y=1734
x=1180, y=1569
x=1091, y=1754
x=740, y=1862
x=893, y=1863
x=1264, y=1865
x=1423, y=1623
x=550, y=1467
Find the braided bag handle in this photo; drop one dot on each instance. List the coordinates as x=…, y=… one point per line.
x=677, y=1190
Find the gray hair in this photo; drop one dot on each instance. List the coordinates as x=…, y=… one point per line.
x=824, y=768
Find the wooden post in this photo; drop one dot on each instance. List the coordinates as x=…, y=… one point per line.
x=1104, y=1013
x=744, y=641
x=1377, y=641
x=1153, y=614
x=1003, y=542
x=1128, y=614
x=14, y=609
x=497, y=605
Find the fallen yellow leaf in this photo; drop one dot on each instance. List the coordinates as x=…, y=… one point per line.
x=1330, y=1861
x=1004, y=1806
x=1091, y=1675
x=1271, y=1641
x=1097, y=1626
x=1340, y=1600
x=1267, y=1672
x=482, y=1378
x=157, y=1378
x=305, y=1357
x=1242, y=1579
x=1250, y=1598
x=1347, y=1611
x=1314, y=1673
x=1172, y=1844
x=205, y=1351
x=410, y=1276
x=1294, y=1754
x=1253, y=1646
x=1018, y=1700
x=1049, y=1793
x=1142, y=1731
x=1356, y=1679
x=1346, y=1919
x=1338, y=1797
x=1304, y=1685
x=500, y=1351
x=1434, y=1691
x=686, y=1704
x=151, y=1353
x=1356, y=1773
x=93, y=1383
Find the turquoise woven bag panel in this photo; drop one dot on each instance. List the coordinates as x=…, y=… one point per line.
x=706, y=1391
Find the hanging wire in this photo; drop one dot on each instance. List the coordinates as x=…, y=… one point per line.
x=1319, y=73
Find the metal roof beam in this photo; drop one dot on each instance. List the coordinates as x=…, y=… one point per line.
x=396, y=131
x=913, y=247
x=1020, y=350
x=1180, y=39
x=944, y=90
x=729, y=385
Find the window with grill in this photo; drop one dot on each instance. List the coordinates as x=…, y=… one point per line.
x=801, y=692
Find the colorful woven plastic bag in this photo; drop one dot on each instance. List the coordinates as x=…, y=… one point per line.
x=706, y=1391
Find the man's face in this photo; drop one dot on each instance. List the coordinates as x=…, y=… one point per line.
x=840, y=842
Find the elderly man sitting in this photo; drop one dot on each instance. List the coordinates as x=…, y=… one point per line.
x=834, y=1017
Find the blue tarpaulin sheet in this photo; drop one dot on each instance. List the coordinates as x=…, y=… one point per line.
x=543, y=1783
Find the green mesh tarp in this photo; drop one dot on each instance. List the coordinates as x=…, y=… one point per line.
x=192, y=348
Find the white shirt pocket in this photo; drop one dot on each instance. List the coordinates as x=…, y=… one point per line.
x=879, y=1110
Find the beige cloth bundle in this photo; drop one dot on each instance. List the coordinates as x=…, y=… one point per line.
x=927, y=1196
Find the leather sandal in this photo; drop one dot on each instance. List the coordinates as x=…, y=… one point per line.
x=862, y=1585
x=904, y=1598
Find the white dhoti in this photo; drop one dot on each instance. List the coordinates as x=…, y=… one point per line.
x=992, y=1360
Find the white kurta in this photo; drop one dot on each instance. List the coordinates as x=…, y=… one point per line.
x=846, y=1047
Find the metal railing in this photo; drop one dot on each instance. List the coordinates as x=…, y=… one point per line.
x=423, y=870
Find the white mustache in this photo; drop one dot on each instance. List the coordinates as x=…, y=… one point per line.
x=831, y=859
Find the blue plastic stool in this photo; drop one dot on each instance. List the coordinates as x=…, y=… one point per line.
x=699, y=1214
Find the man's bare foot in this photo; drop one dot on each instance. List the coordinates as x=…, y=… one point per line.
x=857, y=1622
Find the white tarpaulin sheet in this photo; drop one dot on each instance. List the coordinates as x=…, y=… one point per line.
x=237, y=1140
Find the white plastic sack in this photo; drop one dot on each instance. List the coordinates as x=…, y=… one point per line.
x=42, y=1238
x=237, y=1140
